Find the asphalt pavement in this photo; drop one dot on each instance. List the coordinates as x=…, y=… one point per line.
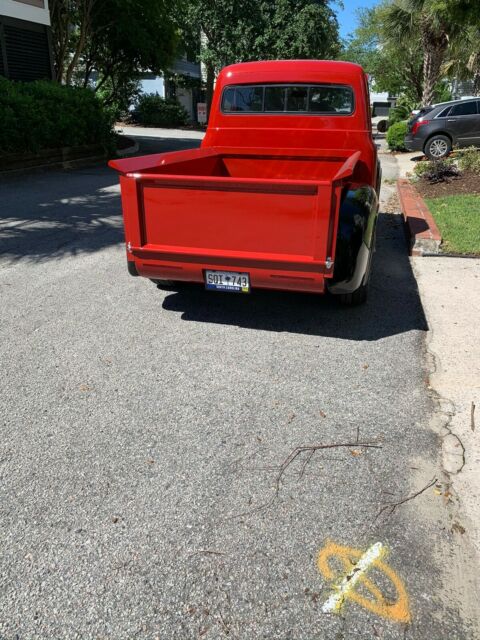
x=142, y=436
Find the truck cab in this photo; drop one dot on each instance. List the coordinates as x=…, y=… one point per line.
x=282, y=194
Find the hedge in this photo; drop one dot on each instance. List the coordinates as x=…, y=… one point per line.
x=396, y=136
x=152, y=110
x=45, y=115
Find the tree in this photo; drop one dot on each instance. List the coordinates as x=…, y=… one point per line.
x=225, y=30
x=297, y=29
x=464, y=56
x=463, y=62
x=430, y=21
x=129, y=36
x=233, y=31
x=115, y=39
x=71, y=27
x=396, y=68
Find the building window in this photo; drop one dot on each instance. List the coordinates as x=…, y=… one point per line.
x=24, y=50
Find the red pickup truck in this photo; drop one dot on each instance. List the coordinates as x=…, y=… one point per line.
x=282, y=194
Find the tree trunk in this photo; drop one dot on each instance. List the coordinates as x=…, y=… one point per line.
x=210, y=84
x=434, y=47
x=474, y=67
x=476, y=82
x=85, y=28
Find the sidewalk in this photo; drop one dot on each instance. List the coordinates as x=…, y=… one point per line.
x=155, y=132
x=450, y=294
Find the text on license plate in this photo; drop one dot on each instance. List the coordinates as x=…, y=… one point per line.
x=227, y=281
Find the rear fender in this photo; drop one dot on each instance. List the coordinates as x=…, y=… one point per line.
x=355, y=239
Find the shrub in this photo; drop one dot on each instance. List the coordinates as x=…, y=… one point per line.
x=469, y=159
x=398, y=113
x=421, y=168
x=396, y=136
x=436, y=170
x=153, y=110
x=45, y=115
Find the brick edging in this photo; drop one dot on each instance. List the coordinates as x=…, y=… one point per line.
x=421, y=227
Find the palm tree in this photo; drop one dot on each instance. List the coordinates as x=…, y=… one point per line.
x=427, y=21
x=463, y=61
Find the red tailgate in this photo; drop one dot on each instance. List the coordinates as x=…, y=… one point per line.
x=178, y=225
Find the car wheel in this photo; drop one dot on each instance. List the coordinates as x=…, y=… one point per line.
x=168, y=285
x=357, y=297
x=438, y=147
x=382, y=126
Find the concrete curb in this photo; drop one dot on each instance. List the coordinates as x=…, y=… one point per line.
x=47, y=160
x=422, y=230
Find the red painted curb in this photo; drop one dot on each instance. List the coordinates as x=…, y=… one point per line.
x=422, y=229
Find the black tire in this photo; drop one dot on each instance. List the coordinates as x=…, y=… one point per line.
x=438, y=147
x=357, y=297
x=168, y=285
x=382, y=126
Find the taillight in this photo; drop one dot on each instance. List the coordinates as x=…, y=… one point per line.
x=418, y=124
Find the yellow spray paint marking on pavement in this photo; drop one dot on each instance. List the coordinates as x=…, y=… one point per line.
x=357, y=563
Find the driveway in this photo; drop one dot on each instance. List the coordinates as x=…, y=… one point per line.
x=142, y=435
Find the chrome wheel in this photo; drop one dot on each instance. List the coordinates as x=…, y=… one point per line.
x=438, y=148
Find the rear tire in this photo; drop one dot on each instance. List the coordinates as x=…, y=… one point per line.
x=168, y=285
x=357, y=297
x=438, y=147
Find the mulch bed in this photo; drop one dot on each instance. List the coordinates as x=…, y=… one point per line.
x=468, y=182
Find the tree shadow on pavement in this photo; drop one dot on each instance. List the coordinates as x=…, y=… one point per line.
x=52, y=214
x=393, y=306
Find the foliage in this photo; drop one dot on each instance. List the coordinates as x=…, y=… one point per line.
x=258, y=30
x=463, y=62
x=392, y=66
x=407, y=46
x=117, y=100
x=443, y=92
x=469, y=159
x=398, y=113
x=42, y=115
x=396, y=136
x=458, y=219
x=435, y=171
x=429, y=22
x=116, y=39
x=297, y=29
x=153, y=110
x=421, y=168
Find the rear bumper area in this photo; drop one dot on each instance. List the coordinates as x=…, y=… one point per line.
x=414, y=144
x=260, y=277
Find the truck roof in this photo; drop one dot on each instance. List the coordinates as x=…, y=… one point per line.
x=290, y=71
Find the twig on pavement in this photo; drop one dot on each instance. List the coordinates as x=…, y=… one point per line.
x=206, y=552
x=311, y=449
x=392, y=506
x=293, y=455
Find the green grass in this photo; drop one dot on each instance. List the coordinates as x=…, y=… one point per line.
x=458, y=219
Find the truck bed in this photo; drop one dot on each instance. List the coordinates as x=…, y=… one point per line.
x=258, y=210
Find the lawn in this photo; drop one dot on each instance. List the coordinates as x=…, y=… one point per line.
x=458, y=219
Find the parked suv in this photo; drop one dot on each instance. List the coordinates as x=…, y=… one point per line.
x=436, y=129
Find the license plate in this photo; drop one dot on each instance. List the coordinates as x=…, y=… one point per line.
x=227, y=281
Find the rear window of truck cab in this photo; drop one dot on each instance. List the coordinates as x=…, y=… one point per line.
x=288, y=98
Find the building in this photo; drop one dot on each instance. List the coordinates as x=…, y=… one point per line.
x=25, y=40
x=187, y=96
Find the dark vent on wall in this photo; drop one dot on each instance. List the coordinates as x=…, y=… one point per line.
x=28, y=55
